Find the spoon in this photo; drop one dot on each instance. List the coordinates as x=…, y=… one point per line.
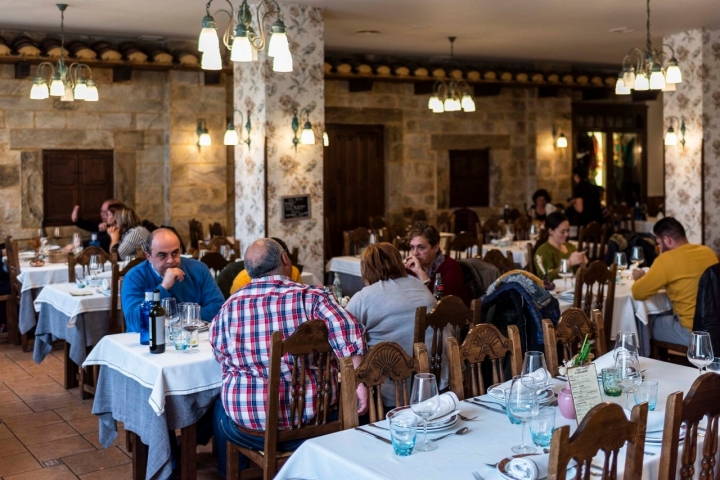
x=462, y=431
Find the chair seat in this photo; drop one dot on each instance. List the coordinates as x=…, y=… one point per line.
x=249, y=452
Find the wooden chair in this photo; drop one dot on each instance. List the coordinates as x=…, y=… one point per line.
x=592, y=238
x=700, y=402
x=513, y=214
x=606, y=428
x=592, y=280
x=569, y=333
x=355, y=240
x=217, y=242
x=445, y=222
x=531, y=258
x=462, y=245
x=12, y=306
x=522, y=228
x=83, y=259
x=483, y=342
x=196, y=233
x=216, y=230
x=490, y=229
x=622, y=218
x=214, y=261
x=294, y=254
x=450, y=310
x=308, y=343
x=386, y=360
x=419, y=216
x=402, y=245
x=504, y=263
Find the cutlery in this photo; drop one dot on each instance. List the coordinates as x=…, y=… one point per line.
x=373, y=435
x=467, y=419
x=378, y=426
x=477, y=476
x=649, y=453
x=501, y=406
x=462, y=431
x=489, y=408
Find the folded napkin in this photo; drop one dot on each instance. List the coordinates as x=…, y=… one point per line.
x=539, y=375
x=528, y=468
x=448, y=405
x=80, y=293
x=606, y=361
x=655, y=421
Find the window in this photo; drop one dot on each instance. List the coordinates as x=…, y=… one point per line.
x=470, y=178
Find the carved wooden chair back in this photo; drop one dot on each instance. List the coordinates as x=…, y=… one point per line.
x=622, y=218
x=117, y=319
x=402, y=245
x=310, y=355
x=513, y=214
x=377, y=223
x=590, y=293
x=13, y=302
x=491, y=229
x=83, y=259
x=504, y=263
x=218, y=242
x=214, y=261
x=483, y=342
x=216, y=230
x=531, y=258
x=450, y=310
x=592, y=238
x=397, y=230
x=568, y=335
x=701, y=402
x=462, y=245
x=419, y=216
x=196, y=233
x=522, y=228
x=386, y=360
x=355, y=240
x=445, y=222
x=605, y=427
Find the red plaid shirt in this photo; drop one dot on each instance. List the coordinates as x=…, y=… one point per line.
x=241, y=333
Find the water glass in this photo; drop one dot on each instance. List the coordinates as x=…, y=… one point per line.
x=77, y=243
x=610, y=382
x=626, y=342
x=542, y=426
x=534, y=365
x=403, y=431
x=172, y=315
x=94, y=266
x=647, y=391
x=700, y=351
x=637, y=257
x=180, y=337
x=565, y=270
x=513, y=419
x=191, y=322
x=628, y=374
x=621, y=261
x=80, y=280
x=425, y=402
x=523, y=404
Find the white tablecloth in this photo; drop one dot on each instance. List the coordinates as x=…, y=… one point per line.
x=169, y=373
x=491, y=436
x=518, y=249
x=347, y=265
x=36, y=277
x=645, y=226
x=309, y=278
x=58, y=295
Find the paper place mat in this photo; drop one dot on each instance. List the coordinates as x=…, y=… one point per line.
x=80, y=293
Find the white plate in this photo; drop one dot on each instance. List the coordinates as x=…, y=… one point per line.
x=26, y=255
x=655, y=438
x=546, y=396
x=434, y=426
x=503, y=463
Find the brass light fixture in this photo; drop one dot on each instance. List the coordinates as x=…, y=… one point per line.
x=559, y=138
x=203, y=135
x=671, y=137
x=231, y=135
x=451, y=96
x=307, y=136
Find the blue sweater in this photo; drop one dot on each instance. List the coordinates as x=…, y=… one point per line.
x=198, y=286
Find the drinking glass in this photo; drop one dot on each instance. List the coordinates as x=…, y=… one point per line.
x=534, y=365
x=224, y=252
x=80, y=280
x=94, y=266
x=542, y=426
x=172, y=315
x=77, y=243
x=565, y=270
x=425, y=402
x=647, y=391
x=621, y=262
x=513, y=419
x=523, y=404
x=637, y=257
x=626, y=342
x=534, y=232
x=610, y=382
x=191, y=322
x=628, y=374
x=403, y=431
x=57, y=233
x=700, y=352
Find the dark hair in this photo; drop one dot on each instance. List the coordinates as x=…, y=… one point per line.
x=268, y=262
x=282, y=244
x=554, y=220
x=147, y=247
x=430, y=233
x=541, y=193
x=381, y=261
x=669, y=227
x=581, y=172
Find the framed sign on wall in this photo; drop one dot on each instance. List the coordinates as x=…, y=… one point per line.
x=295, y=207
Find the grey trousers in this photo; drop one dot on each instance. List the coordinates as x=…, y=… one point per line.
x=666, y=327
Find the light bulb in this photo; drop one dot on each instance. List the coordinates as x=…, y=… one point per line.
x=231, y=136
x=208, y=39
x=468, y=104
x=452, y=104
x=80, y=91
x=39, y=90
x=241, y=51
x=620, y=88
x=671, y=137
x=433, y=102
x=326, y=139
x=283, y=63
x=562, y=141
x=57, y=87
x=438, y=107
x=308, y=136
x=673, y=75
x=211, y=60
x=91, y=95
x=641, y=82
x=205, y=140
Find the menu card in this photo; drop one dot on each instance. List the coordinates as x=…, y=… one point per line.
x=585, y=389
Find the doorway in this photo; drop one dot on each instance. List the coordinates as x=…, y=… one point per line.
x=353, y=180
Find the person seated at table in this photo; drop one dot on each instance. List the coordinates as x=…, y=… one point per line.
x=541, y=206
x=242, y=278
x=557, y=247
x=90, y=226
x=240, y=336
x=386, y=306
x=677, y=269
x=126, y=232
x=426, y=261
x=184, y=279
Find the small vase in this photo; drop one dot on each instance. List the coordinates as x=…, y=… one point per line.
x=565, y=403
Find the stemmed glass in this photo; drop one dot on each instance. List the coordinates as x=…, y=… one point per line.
x=627, y=366
x=77, y=243
x=534, y=232
x=534, y=366
x=637, y=257
x=700, y=351
x=172, y=315
x=94, y=266
x=522, y=402
x=621, y=261
x=425, y=402
x=626, y=342
x=565, y=270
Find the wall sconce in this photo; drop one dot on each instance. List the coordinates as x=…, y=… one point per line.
x=559, y=141
x=231, y=135
x=326, y=139
x=671, y=138
x=204, y=139
x=307, y=137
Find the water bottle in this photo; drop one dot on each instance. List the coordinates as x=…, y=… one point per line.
x=145, y=318
x=337, y=288
x=638, y=211
x=93, y=240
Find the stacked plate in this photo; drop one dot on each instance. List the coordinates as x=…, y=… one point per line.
x=438, y=424
x=545, y=396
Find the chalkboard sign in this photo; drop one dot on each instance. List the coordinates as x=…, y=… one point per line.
x=296, y=207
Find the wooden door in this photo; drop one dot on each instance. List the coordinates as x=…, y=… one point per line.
x=469, y=178
x=354, y=179
x=76, y=177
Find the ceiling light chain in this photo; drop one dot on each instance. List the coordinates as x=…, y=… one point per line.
x=451, y=96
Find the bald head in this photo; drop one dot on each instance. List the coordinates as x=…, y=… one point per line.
x=266, y=257
x=162, y=249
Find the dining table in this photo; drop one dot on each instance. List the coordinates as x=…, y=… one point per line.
x=489, y=440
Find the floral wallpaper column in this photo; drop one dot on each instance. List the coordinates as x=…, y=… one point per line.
x=711, y=136
x=274, y=96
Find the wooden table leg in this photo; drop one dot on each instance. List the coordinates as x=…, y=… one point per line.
x=188, y=448
x=139, y=457
x=71, y=369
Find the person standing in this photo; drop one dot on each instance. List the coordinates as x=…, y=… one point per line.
x=586, y=198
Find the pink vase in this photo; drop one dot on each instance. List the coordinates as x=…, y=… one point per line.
x=565, y=403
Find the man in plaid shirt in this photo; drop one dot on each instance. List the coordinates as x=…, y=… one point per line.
x=241, y=334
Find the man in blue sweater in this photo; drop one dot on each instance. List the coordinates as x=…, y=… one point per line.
x=186, y=281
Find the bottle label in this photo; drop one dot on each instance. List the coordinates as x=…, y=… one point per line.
x=157, y=330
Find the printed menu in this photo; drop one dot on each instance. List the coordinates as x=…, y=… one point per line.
x=585, y=389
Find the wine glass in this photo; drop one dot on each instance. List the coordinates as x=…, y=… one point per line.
x=534, y=232
x=172, y=315
x=626, y=342
x=621, y=262
x=565, y=270
x=637, y=257
x=627, y=366
x=700, y=351
x=534, y=366
x=425, y=402
x=77, y=243
x=94, y=266
x=522, y=402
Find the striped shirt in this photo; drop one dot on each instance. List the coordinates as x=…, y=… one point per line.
x=133, y=238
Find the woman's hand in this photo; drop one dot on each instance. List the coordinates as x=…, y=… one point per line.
x=413, y=264
x=114, y=233
x=578, y=258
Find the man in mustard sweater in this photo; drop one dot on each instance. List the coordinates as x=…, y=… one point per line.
x=678, y=270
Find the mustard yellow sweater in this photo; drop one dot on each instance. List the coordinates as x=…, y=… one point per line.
x=678, y=271
x=243, y=279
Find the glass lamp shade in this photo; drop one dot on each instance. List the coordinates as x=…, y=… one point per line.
x=208, y=39
x=231, y=137
x=308, y=136
x=326, y=139
x=241, y=51
x=278, y=45
x=452, y=104
x=81, y=88
x=468, y=104
x=283, y=63
x=204, y=140
x=641, y=82
x=657, y=79
x=438, y=107
x=211, y=60
x=92, y=92
x=39, y=90
x=620, y=88
x=671, y=137
x=57, y=87
x=673, y=74
x=629, y=78
x=669, y=87
x=434, y=102
x=562, y=141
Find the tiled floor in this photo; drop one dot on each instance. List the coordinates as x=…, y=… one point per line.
x=49, y=433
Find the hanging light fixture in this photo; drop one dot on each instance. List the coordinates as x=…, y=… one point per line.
x=231, y=135
x=643, y=69
x=242, y=40
x=69, y=83
x=451, y=96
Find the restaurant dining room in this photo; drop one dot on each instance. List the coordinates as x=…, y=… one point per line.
x=407, y=239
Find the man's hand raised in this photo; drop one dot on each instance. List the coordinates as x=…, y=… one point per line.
x=172, y=275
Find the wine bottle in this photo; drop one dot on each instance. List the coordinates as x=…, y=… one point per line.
x=157, y=325
x=439, y=290
x=145, y=318
x=94, y=242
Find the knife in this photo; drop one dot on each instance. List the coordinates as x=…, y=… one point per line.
x=475, y=402
x=373, y=435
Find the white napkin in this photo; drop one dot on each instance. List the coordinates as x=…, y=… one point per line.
x=606, y=361
x=500, y=390
x=655, y=420
x=529, y=468
x=80, y=293
x=448, y=405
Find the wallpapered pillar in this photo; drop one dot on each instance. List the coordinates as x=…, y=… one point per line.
x=272, y=97
x=697, y=99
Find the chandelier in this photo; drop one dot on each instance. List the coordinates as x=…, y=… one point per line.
x=451, y=96
x=68, y=83
x=644, y=70
x=244, y=43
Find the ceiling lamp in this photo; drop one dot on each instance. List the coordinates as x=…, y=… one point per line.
x=242, y=40
x=69, y=83
x=451, y=96
x=643, y=69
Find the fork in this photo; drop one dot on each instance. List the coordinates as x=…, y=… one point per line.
x=477, y=476
x=467, y=419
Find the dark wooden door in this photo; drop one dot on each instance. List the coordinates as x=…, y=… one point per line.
x=470, y=178
x=76, y=177
x=354, y=179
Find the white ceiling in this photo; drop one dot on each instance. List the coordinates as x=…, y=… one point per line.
x=552, y=30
